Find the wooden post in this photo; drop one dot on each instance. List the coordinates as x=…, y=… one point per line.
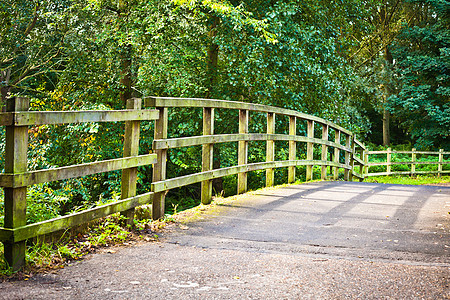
x=207, y=154
x=159, y=168
x=337, y=140
x=310, y=150
x=413, y=162
x=130, y=148
x=270, y=148
x=388, y=162
x=441, y=162
x=366, y=163
x=242, y=151
x=16, y=198
x=323, y=175
x=292, y=148
x=348, y=144
x=352, y=158
x=361, y=166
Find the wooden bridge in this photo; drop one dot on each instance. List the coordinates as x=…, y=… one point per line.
x=333, y=148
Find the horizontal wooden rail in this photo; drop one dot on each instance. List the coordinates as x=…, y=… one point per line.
x=406, y=173
x=359, y=161
x=225, y=138
x=63, y=117
x=360, y=144
x=407, y=163
x=6, y=234
x=213, y=103
x=56, y=224
x=17, y=178
x=413, y=162
x=74, y=171
x=358, y=175
x=217, y=173
x=408, y=152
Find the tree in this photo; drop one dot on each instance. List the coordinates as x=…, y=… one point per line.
x=32, y=35
x=422, y=65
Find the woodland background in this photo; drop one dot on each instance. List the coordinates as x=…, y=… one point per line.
x=379, y=68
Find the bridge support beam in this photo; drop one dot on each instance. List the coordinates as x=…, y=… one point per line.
x=310, y=150
x=242, y=151
x=337, y=140
x=159, y=168
x=130, y=148
x=270, y=148
x=348, y=155
x=207, y=154
x=16, y=198
x=324, y=157
x=292, y=148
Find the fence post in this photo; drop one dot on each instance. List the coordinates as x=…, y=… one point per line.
x=270, y=148
x=388, y=162
x=207, y=154
x=323, y=175
x=310, y=150
x=348, y=144
x=352, y=157
x=441, y=161
x=361, y=166
x=16, y=198
x=159, y=168
x=130, y=148
x=242, y=151
x=337, y=140
x=292, y=148
x=413, y=161
x=366, y=163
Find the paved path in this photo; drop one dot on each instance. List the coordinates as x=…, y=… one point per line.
x=325, y=240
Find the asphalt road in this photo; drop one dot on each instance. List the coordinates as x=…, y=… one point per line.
x=324, y=240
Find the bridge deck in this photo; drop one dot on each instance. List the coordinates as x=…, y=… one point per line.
x=350, y=219
x=324, y=240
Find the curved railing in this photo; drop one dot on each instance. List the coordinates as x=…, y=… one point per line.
x=353, y=149
x=17, y=177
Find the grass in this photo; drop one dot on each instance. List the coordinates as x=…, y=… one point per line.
x=417, y=180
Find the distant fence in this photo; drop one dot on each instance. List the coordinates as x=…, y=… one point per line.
x=332, y=150
x=408, y=160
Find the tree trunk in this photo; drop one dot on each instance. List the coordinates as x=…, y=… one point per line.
x=387, y=93
x=125, y=74
x=125, y=58
x=212, y=57
x=386, y=132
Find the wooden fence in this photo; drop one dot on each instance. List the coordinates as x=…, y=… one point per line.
x=336, y=149
x=411, y=162
x=350, y=162
x=16, y=177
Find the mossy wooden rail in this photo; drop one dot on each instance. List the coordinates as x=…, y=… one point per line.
x=344, y=141
x=339, y=151
x=411, y=161
x=16, y=177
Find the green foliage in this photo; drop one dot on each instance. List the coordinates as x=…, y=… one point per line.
x=417, y=180
x=423, y=64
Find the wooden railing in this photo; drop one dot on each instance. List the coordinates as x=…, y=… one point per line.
x=16, y=177
x=410, y=161
x=353, y=150
x=338, y=149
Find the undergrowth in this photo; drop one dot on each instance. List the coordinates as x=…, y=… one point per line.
x=46, y=254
